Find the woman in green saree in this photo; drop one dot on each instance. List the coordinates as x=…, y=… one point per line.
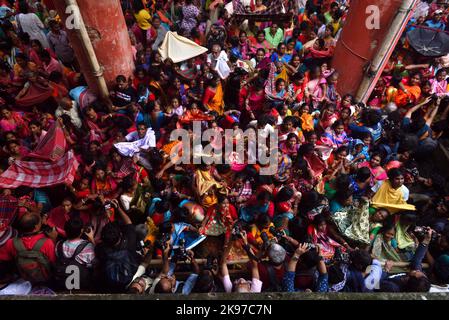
x=385, y=248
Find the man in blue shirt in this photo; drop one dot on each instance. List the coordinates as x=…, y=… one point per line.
x=436, y=22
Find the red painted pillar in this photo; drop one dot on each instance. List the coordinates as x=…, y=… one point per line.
x=107, y=29
x=358, y=45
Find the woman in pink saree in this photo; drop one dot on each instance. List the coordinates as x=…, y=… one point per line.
x=316, y=87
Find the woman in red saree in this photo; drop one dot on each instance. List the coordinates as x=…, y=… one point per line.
x=254, y=102
x=36, y=50
x=219, y=218
x=14, y=122
x=36, y=91
x=194, y=114
x=318, y=231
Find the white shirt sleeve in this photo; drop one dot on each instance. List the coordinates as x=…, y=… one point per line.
x=227, y=284
x=256, y=285
x=405, y=192
x=131, y=136
x=125, y=201
x=376, y=187
x=373, y=279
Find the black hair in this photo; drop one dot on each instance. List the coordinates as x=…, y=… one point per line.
x=263, y=195
x=394, y=173
x=165, y=227
x=23, y=7
x=22, y=56
x=120, y=78
x=205, y=282
x=35, y=122
x=262, y=220
x=221, y=198
x=310, y=259
x=363, y=174
x=304, y=149
x=309, y=201
x=335, y=274
x=28, y=222
x=318, y=219
x=55, y=76
x=45, y=55
x=111, y=234
x=341, y=149
x=298, y=229
x=360, y=260
x=371, y=117
x=161, y=206
x=138, y=5
x=342, y=182
x=285, y=194
x=408, y=217
x=128, y=183
x=388, y=225
x=180, y=214
x=414, y=284
x=337, y=123
x=343, y=195
x=73, y=227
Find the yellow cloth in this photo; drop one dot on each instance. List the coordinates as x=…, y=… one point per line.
x=391, y=94
x=204, y=187
x=283, y=75
x=217, y=103
x=307, y=122
x=403, y=238
x=257, y=233
x=390, y=198
x=143, y=19
x=18, y=71
x=152, y=231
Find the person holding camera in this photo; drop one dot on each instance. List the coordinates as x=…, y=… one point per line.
x=166, y=281
x=75, y=251
x=435, y=280
x=240, y=285
x=117, y=252
x=311, y=260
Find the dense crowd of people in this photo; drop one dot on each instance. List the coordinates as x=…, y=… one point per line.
x=355, y=204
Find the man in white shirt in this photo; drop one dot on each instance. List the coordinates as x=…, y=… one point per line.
x=70, y=108
x=218, y=61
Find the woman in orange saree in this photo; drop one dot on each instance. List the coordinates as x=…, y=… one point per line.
x=213, y=96
x=409, y=93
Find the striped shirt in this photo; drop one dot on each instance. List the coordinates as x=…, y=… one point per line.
x=86, y=256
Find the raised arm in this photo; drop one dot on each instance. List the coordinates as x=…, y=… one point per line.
x=419, y=105
x=126, y=219
x=433, y=113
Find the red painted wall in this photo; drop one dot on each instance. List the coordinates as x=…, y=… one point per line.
x=357, y=44
x=105, y=21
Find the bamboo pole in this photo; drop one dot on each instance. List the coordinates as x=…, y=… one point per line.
x=87, y=47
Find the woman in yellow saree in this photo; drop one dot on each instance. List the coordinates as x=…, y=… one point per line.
x=391, y=194
x=207, y=187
